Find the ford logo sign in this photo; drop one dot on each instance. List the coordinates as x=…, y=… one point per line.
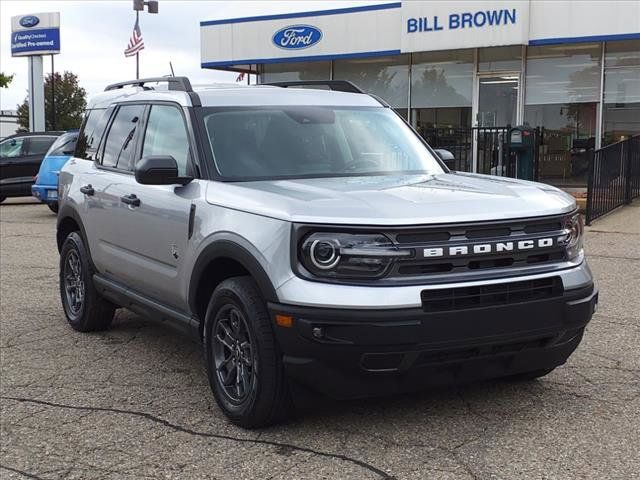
x=296, y=37
x=29, y=21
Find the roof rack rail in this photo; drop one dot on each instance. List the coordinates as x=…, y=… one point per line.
x=337, y=85
x=181, y=84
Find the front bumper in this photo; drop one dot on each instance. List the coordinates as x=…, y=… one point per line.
x=352, y=353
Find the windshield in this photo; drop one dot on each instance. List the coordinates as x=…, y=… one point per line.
x=64, y=145
x=302, y=142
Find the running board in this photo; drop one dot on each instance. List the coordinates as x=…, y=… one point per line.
x=145, y=306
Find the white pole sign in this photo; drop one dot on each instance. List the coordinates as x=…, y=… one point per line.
x=32, y=36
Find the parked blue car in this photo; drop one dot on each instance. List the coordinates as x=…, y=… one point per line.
x=45, y=187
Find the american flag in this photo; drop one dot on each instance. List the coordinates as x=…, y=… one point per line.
x=135, y=42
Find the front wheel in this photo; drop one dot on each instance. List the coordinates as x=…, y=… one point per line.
x=53, y=206
x=244, y=364
x=85, y=309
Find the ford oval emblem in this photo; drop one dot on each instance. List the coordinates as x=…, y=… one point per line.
x=29, y=21
x=296, y=37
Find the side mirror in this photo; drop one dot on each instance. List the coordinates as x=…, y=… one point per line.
x=159, y=170
x=447, y=157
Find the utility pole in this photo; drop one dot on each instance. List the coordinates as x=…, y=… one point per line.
x=138, y=6
x=53, y=95
x=137, y=53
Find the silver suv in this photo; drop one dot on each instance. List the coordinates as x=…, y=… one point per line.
x=310, y=237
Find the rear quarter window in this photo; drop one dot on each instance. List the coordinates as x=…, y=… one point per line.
x=64, y=145
x=91, y=131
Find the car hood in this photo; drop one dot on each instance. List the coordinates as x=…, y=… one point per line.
x=393, y=200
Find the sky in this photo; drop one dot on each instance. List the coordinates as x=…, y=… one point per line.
x=94, y=34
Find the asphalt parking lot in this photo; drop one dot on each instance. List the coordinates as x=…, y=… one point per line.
x=134, y=402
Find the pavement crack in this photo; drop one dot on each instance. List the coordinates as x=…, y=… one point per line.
x=21, y=472
x=338, y=456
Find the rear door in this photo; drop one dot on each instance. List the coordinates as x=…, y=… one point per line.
x=12, y=154
x=90, y=179
x=36, y=149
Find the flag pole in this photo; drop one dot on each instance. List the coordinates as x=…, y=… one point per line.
x=137, y=53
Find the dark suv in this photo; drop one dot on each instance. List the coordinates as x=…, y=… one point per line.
x=20, y=158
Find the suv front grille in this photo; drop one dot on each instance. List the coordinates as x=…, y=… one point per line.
x=462, y=298
x=473, y=234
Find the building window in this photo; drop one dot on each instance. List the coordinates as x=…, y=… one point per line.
x=292, y=71
x=386, y=77
x=500, y=59
x=441, y=93
x=562, y=92
x=621, y=112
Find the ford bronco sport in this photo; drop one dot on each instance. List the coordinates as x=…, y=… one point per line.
x=311, y=237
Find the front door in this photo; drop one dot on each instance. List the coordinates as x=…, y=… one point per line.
x=146, y=229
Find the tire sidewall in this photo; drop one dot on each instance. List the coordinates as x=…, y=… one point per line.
x=230, y=293
x=73, y=243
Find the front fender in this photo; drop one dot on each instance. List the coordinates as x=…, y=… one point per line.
x=228, y=248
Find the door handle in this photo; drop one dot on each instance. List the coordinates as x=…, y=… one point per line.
x=130, y=199
x=87, y=190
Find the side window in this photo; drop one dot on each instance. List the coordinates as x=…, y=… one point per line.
x=119, y=145
x=39, y=145
x=90, y=134
x=166, y=134
x=64, y=145
x=11, y=147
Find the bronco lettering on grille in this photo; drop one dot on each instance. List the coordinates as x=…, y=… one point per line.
x=491, y=247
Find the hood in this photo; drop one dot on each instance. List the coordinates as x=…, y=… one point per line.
x=393, y=200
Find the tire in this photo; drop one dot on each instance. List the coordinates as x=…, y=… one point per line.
x=2, y=199
x=256, y=394
x=53, y=206
x=528, y=376
x=85, y=309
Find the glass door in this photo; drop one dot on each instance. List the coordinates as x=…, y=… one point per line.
x=496, y=105
x=497, y=100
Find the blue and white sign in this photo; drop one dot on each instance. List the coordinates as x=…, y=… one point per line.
x=35, y=34
x=297, y=37
x=444, y=25
x=38, y=41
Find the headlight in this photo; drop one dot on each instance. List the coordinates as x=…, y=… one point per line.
x=346, y=255
x=572, y=238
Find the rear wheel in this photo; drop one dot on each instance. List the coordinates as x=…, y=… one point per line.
x=53, y=206
x=244, y=364
x=85, y=309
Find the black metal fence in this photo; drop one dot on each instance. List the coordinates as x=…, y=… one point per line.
x=458, y=141
x=614, y=177
x=493, y=152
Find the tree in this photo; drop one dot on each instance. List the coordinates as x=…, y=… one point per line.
x=5, y=80
x=70, y=102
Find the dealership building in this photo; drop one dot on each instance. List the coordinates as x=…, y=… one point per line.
x=459, y=69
